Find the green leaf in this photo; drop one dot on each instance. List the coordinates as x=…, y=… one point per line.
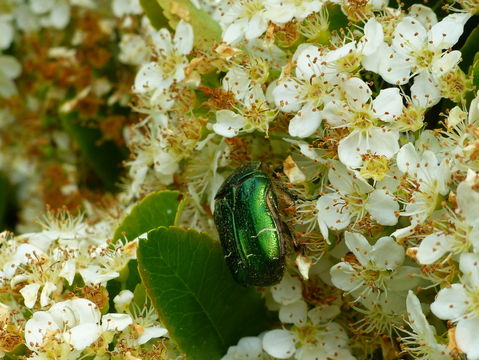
x=207, y=31
x=155, y=210
x=204, y=309
x=154, y=13
x=469, y=50
x=475, y=71
x=105, y=157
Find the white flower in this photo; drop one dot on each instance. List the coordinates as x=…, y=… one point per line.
x=156, y=77
x=317, y=75
x=365, y=120
x=352, y=199
x=76, y=322
x=253, y=111
x=322, y=342
x=462, y=231
x=23, y=254
x=432, y=178
x=418, y=50
x=242, y=19
x=458, y=303
x=379, y=267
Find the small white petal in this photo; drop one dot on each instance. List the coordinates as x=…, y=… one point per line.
x=468, y=201
x=149, y=78
x=279, y=343
x=95, y=274
x=47, y=290
x=256, y=27
x=382, y=207
x=151, y=333
x=183, y=37
x=288, y=291
x=424, y=92
x=373, y=36
x=29, y=293
x=337, y=113
x=83, y=335
x=388, y=105
x=447, y=32
x=359, y=246
x=332, y=212
x=162, y=41
x=409, y=35
x=323, y=313
x=424, y=14
x=116, y=322
x=305, y=122
x=387, y=254
x=295, y=313
x=467, y=337
x=344, y=277
x=432, y=248
x=395, y=68
x=451, y=303
x=417, y=320
x=468, y=264
x=123, y=300
x=234, y=32
x=445, y=63
x=228, y=123
x=357, y=91
x=286, y=96
x=308, y=62
x=68, y=270
x=251, y=347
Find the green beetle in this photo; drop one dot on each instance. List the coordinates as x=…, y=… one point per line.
x=251, y=232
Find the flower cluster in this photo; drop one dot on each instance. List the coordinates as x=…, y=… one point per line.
x=365, y=113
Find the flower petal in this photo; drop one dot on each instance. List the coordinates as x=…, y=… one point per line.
x=467, y=337
x=279, y=343
x=183, y=39
x=451, y=303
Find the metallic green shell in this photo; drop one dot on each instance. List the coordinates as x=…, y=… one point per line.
x=250, y=230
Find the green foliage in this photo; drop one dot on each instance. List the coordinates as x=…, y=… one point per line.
x=207, y=31
x=155, y=210
x=104, y=157
x=154, y=13
x=204, y=309
x=469, y=50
